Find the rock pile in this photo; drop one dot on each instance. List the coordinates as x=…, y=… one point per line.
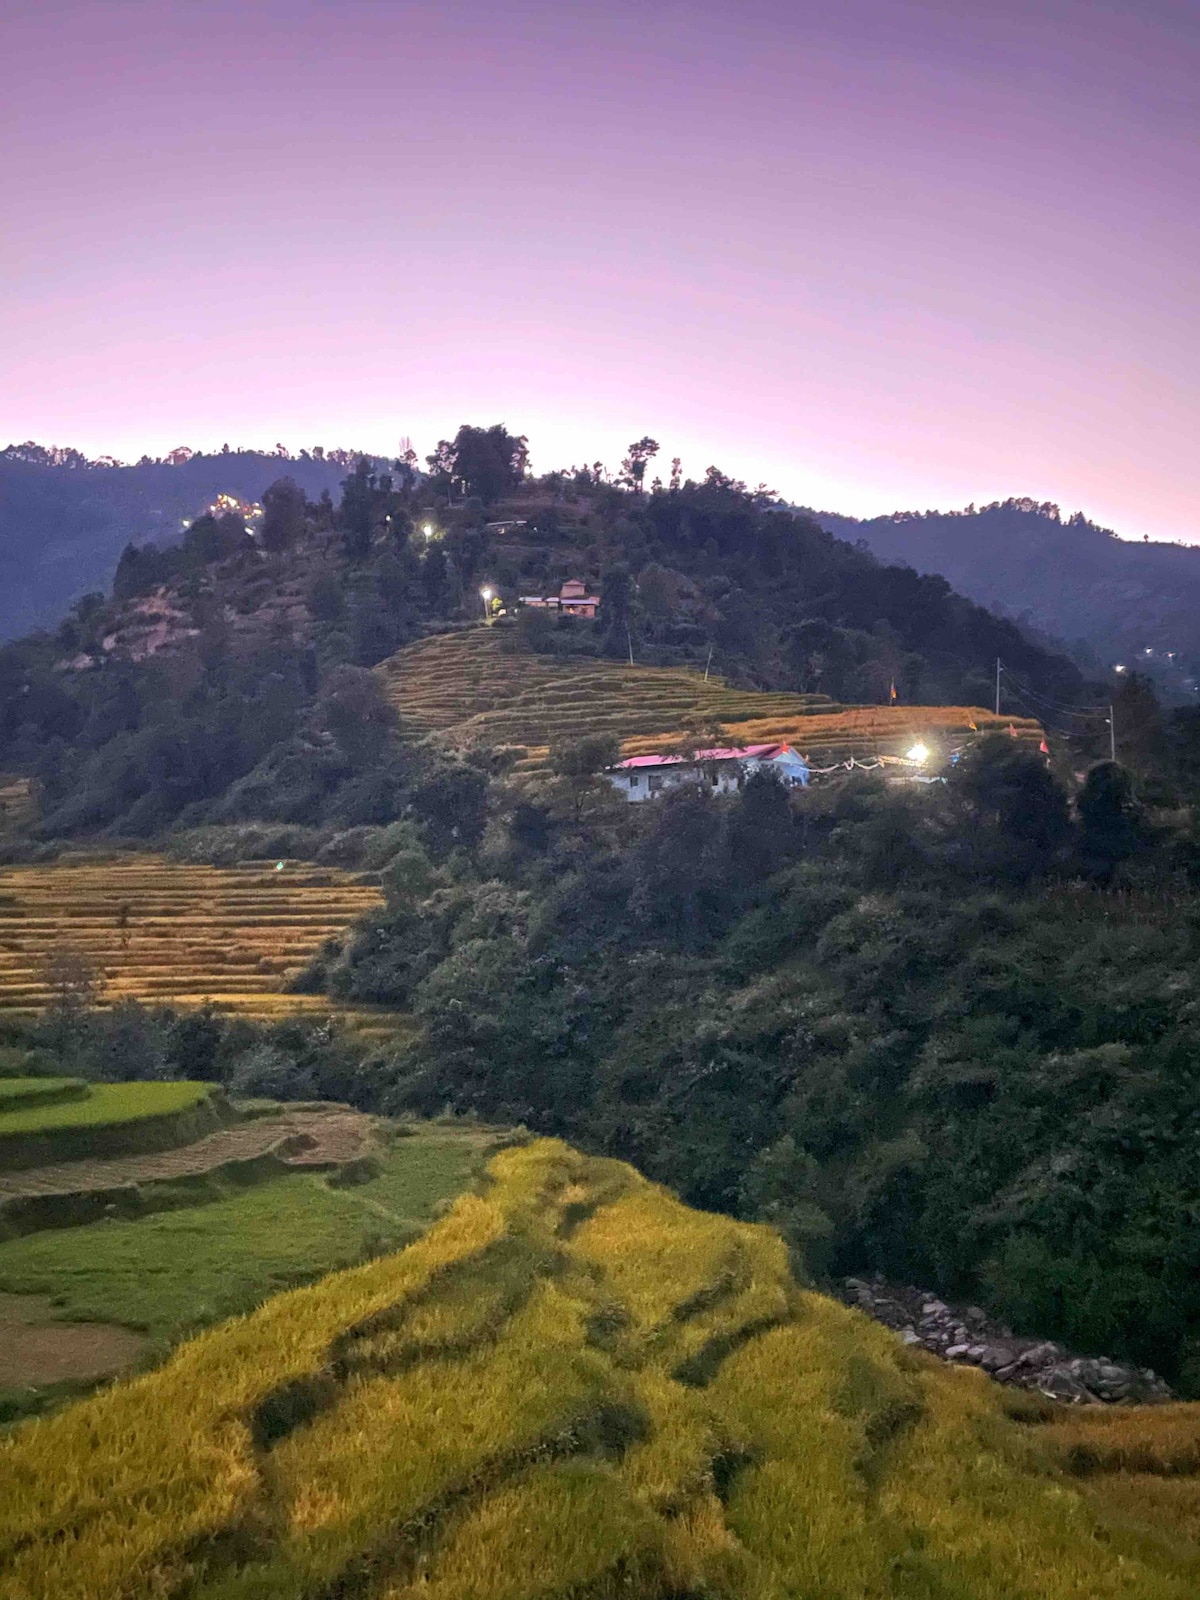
x=967, y=1334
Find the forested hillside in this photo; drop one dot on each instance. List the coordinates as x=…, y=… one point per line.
x=64, y=520
x=1111, y=600
x=942, y=1027
x=228, y=661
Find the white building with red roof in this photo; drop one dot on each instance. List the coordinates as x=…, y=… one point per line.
x=723, y=771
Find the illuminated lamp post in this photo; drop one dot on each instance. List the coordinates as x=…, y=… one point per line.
x=485, y=595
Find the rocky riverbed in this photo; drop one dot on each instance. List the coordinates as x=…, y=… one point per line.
x=967, y=1334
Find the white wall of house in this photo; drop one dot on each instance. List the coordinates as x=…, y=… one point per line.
x=721, y=777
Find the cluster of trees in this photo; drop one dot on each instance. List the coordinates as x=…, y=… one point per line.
x=129, y=1041
x=915, y=1027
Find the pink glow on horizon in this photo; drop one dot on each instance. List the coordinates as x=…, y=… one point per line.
x=880, y=255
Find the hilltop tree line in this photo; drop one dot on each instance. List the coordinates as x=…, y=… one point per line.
x=692, y=573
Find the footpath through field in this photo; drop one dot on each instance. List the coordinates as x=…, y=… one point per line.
x=305, y=1139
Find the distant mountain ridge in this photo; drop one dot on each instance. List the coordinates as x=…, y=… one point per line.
x=1108, y=599
x=64, y=520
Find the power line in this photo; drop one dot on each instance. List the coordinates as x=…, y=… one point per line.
x=1076, y=709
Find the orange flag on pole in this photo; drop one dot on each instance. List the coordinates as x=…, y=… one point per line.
x=892, y=696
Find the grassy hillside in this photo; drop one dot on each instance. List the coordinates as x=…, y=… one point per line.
x=105, y=1262
x=480, y=686
x=574, y=1386
x=239, y=1241
x=170, y=934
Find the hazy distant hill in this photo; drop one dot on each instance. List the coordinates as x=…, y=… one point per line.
x=64, y=520
x=1068, y=578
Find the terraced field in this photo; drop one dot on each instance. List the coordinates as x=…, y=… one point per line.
x=171, y=934
x=575, y=1388
x=106, y=1259
x=869, y=732
x=478, y=687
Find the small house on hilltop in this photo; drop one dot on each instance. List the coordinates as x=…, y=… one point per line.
x=723, y=771
x=572, y=599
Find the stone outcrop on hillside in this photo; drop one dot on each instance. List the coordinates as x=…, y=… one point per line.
x=967, y=1334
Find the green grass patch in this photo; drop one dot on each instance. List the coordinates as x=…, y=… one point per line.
x=22, y=1094
x=178, y=1270
x=105, y=1105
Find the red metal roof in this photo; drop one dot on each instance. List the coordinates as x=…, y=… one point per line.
x=760, y=752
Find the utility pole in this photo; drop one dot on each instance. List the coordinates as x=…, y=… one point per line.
x=997, y=685
x=629, y=642
x=1112, y=734
x=708, y=663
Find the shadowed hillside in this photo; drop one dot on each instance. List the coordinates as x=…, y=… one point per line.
x=65, y=520
x=575, y=1386
x=1110, y=599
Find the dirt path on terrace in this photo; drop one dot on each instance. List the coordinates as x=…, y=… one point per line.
x=36, y=1350
x=325, y=1137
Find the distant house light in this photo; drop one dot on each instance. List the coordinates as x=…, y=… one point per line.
x=1120, y=667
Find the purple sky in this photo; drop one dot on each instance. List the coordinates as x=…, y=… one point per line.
x=877, y=254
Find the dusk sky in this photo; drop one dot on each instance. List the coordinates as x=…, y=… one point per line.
x=878, y=255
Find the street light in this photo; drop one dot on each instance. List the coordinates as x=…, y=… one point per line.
x=427, y=530
x=919, y=753
x=485, y=596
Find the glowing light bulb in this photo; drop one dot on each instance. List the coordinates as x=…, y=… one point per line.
x=427, y=530
x=919, y=753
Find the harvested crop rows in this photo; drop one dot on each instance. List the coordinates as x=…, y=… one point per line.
x=169, y=934
x=575, y=1386
x=479, y=687
x=867, y=732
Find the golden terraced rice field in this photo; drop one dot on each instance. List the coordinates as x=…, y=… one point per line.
x=576, y=1388
x=478, y=687
x=171, y=934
